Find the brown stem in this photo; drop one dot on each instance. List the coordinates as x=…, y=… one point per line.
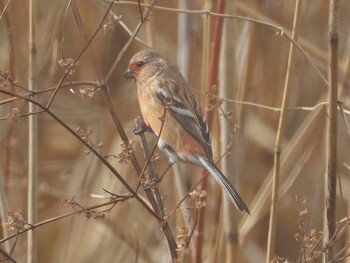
x=212, y=81
x=278, y=143
x=331, y=180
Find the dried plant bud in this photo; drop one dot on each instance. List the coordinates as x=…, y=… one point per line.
x=297, y=237
x=15, y=221
x=69, y=202
x=68, y=64
x=79, y=131
x=229, y=116
x=197, y=193
x=155, y=157
x=193, y=194
x=111, y=24
x=85, y=135
x=13, y=115
x=99, y=215
x=84, y=92
x=215, y=101
x=89, y=130
x=278, y=259
x=202, y=193
x=182, y=238
x=200, y=204
x=126, y=153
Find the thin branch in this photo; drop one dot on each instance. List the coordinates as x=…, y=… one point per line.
x=76, y=60
x=130, y=40
x=140, y=10
x=150, y=169
x=56, y=218
x=51, y=88
x=91, y=149
x=3, y=11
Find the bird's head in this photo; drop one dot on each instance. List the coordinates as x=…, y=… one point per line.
x=144, y=65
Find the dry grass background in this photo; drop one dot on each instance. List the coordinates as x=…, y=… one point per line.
x=252, y=68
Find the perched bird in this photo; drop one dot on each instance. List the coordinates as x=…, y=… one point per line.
x=185, y=133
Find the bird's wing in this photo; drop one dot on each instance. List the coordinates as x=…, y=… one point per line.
x=183, y=105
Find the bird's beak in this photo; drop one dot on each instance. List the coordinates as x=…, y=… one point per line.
x=129, y=74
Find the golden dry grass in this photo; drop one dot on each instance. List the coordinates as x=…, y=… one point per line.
x=252, y=68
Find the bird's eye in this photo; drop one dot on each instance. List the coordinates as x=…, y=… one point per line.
x=139, y=64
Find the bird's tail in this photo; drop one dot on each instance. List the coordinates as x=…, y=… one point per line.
x=224, y=183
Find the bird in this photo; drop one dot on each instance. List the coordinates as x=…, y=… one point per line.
x=171, y=111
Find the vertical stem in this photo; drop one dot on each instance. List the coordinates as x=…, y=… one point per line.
x=277, y=156
x=33, y=137
x=149, y=28
x=183, y=56
x=227, y=88
x=183, y=39
x=212, y=83
x=206, y=46
x=332, y=124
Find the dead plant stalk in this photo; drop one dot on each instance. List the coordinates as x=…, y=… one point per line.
x=331, y=174
x=278, y=144
x=32, y=135
x=212, y=83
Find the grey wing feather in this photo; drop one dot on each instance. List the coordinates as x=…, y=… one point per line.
x=224, y=183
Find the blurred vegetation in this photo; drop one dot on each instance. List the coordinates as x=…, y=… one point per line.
x=252, y=72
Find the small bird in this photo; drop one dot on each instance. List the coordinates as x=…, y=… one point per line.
x=182, y=131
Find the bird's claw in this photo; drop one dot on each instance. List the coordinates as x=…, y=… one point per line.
x=142, y=128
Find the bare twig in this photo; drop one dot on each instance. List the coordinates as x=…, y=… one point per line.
x=90, y=148
x=86, y=47
x=128, y=43
x=51, y=88
x=140, y=10
x=56, y=218
x=4, y=10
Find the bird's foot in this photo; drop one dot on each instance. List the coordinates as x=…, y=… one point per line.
x=141, y=127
